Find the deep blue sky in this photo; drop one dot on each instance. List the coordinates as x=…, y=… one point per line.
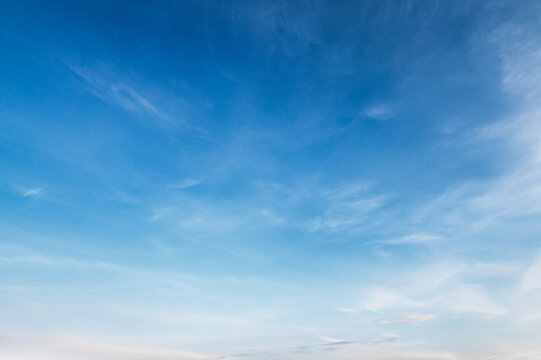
x=291, y=179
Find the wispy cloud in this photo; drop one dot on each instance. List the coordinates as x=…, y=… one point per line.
x=175, y=280
x=379, y=112
x=26, y=192
x=434, y=290
x=405, y=319
x=421, y=239
x=111, y=89
x=318, y=349
x=183, y=184
x=345, y=208
x=499, y=269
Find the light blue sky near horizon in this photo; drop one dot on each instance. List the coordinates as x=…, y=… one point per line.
x=272, y=179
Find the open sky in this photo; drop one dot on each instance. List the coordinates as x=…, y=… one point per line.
x=186, y=180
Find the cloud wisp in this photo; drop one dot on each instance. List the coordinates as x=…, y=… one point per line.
x=111, y=89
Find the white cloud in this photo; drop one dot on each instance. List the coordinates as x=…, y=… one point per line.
x=185, y=183
x=379, y=112
x=168, y=279
x=31, y=191
x=345, y=208
x=500, y=269
x=432, y=290
x=200, y=219
x=382, y=299
x=531, y=279
x=470, y=299
x=405, y=319
x=475, y=210
x=413, y=239
x=109, y=88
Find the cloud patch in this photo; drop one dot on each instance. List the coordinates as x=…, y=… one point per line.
x=28, y=192
x=379, y=112
x=405, y=319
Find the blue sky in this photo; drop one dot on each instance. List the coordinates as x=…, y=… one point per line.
x=271, y=179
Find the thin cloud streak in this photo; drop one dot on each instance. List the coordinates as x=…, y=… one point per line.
x=110, y=89
x=31, y=192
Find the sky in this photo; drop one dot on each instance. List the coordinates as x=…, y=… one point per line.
x=186, y=180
